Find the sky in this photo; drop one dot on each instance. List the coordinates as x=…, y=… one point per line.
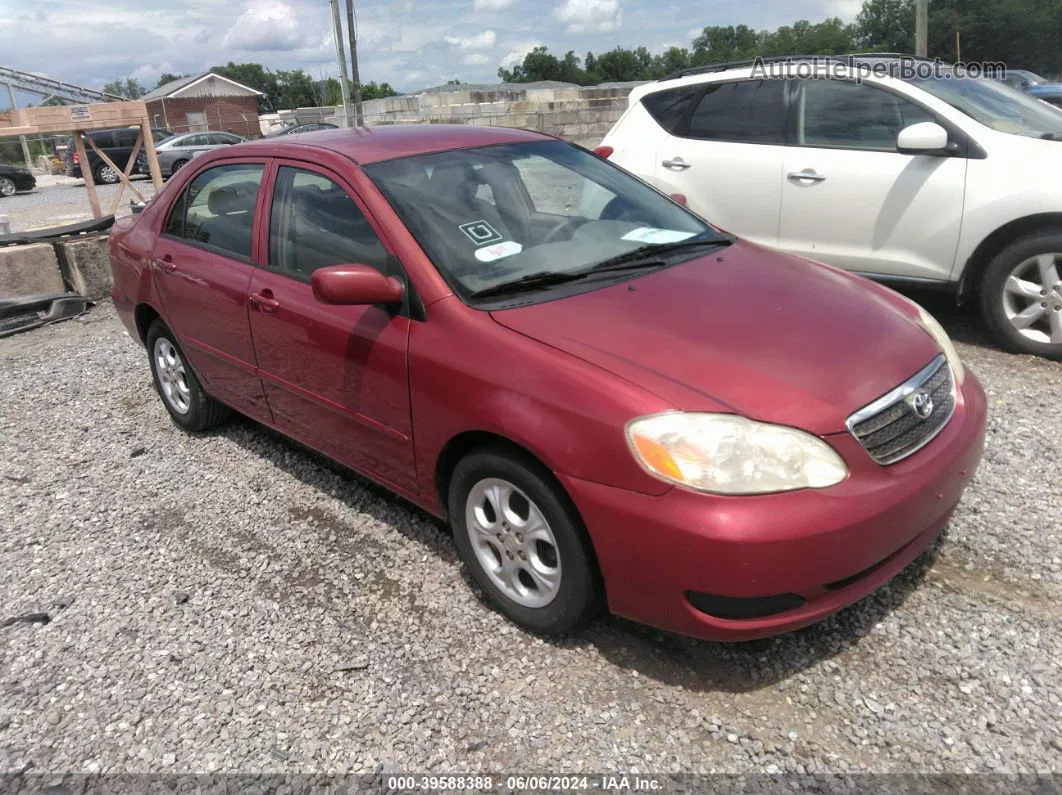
x=410, y=44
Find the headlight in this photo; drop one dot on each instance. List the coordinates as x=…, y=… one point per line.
x=728, y=454
x=940, y=336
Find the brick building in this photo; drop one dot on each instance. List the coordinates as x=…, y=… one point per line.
x=205, y=102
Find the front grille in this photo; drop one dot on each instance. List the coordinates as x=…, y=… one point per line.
x=891, y=428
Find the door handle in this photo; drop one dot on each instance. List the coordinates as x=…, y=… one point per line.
x=676, y=164
x=264, y=301
x=164, y=265
x=808, y=174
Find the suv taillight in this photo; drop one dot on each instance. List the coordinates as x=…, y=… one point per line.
x=604, y=151
x=77, y=159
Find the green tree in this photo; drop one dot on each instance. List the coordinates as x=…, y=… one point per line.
x=168, y=77
x=541, y=64
x=719, y=44
x=129, y=88
x=256, y=76
x=886, y=26
x=374, y=90
x=295, y=89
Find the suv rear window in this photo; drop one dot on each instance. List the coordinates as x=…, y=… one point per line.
x=745, y=111
x=672, y=107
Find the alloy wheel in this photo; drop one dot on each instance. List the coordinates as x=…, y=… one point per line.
x=1032, y=298
x=107, y=175
x=7, y=187
x=513, y=542
x=172, y=375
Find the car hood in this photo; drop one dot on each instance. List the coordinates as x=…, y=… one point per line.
x=770, y=336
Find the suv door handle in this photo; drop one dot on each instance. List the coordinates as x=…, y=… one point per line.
x=807, y=174
x=676, y=164
x=264, y=301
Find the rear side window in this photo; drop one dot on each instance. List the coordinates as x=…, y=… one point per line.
x=104, y=139
x=216, y=210
x=314, y=223
x=747, y=111
x=671, y=108
x=125, y=137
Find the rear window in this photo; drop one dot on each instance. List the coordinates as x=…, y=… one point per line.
x=671, y=108
x=746, y=111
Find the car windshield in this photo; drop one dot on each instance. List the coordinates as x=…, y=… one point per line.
x=995, y=105
x=539, y=212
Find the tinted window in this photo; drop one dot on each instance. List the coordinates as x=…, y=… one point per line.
x=217, y=209
x=835, y=113
x=750, y=111
x=670, y=108
x=314, y=223
x=125, y=137
x=104, y=139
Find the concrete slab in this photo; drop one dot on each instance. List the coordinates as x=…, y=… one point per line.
x=28, y=270
x=88, y=267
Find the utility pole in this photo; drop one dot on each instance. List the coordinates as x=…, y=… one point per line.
x=921, y=28
x=341, y=56
x=21, y=138
x=352, y=31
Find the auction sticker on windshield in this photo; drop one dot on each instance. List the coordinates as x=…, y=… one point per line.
x=648, y=234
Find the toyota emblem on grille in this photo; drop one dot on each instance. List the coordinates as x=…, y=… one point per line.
x=922, y=403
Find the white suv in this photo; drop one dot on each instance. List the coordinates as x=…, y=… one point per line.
x=893, y=167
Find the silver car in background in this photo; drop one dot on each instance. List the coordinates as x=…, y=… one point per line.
x=177, y=151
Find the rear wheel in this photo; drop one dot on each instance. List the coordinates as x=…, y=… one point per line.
x=523, y=542
x=190, y=407
x=1021, y=295
x=177, y=166
x=7, y=187
x=105, y=174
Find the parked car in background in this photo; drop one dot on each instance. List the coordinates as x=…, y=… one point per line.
x=14, y=179
x=175, y=152
x=1022, y=79
x=626, y=409
x=1050, y=93
x=928, y=181
x=118, y=145
x=295, y=129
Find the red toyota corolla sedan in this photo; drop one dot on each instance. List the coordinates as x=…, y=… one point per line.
x=624, y=408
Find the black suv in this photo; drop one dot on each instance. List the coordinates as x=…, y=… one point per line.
x=118, y=145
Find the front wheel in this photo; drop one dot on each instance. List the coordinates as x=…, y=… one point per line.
x=106, y=175
x=190, y=407
x=523, y=542
x=1021, y=295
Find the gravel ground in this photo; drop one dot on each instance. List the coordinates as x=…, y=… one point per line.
x=65, y=201
x=230, y=602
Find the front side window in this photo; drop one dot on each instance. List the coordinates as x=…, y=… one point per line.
x=840, y=114
x=995, y=105
x=315, y=223
x=216, y=210
x=746, y=111
x=491, y=215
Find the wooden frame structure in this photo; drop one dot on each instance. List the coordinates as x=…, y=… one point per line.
x=79, y=119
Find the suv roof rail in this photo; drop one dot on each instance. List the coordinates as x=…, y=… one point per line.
x=849, y=59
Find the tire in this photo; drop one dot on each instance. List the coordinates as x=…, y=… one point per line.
x=190, y=407
x=177, y=166
x=105, y=175
x=7, y=187
x=562, y=555
x=1025, y=313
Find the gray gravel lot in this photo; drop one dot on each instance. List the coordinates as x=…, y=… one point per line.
x=61, y=200
x=232, y=602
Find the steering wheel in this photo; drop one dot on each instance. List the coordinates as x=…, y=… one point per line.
x=560, y=226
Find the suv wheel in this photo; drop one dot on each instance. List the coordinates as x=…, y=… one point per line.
x=1021, y=295
x=105, y=174
x=7, y=187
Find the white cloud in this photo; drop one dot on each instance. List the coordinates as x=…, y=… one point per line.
x=493, y=5
x=148, y=74
x=267, y=26
x=481, y=41
x=475, y=59
x=847, y=10
x=589, y=16
x=517, y=55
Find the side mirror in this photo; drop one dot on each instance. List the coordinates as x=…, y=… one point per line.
x=355, y=285
x=922, y=139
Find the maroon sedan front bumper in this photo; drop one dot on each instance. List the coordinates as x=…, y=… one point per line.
x=809, y=553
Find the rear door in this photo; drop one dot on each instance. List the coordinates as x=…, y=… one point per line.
x=726, y=155
x=851, y=200
x=336, y=376
x=202, y=265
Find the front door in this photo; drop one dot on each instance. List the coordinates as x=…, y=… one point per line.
x=336, y=376
x=851, y=200
x=202, y=268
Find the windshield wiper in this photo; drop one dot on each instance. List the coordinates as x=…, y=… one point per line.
x=649, y=256
x=531, y=281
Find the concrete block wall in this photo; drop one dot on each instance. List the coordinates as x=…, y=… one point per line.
x=35, y=268
x=580, y=114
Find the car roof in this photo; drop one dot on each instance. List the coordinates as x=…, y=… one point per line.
x=366, y=145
